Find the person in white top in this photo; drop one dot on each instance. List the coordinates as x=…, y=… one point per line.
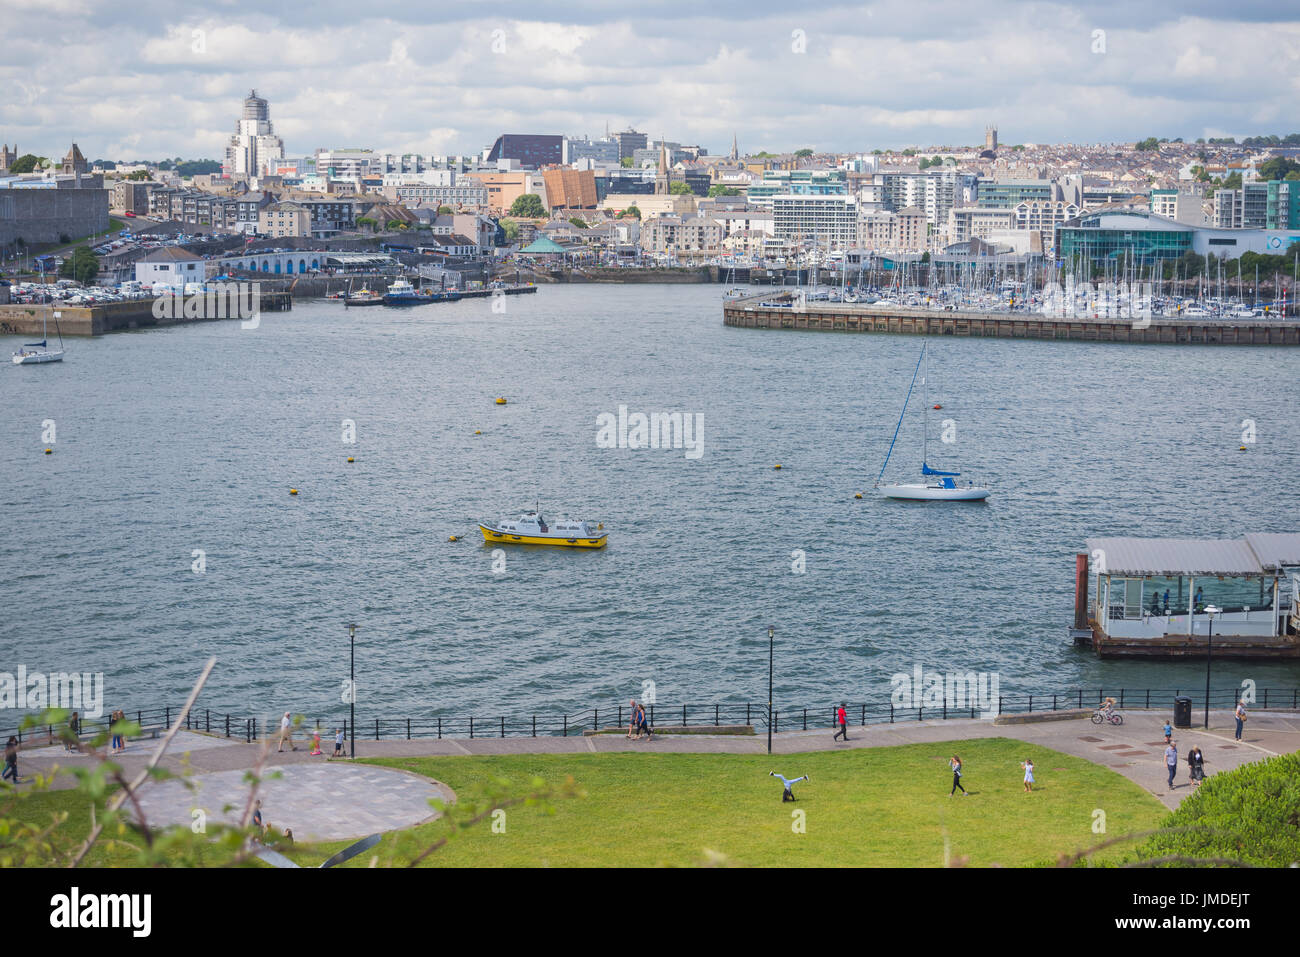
x=1241, y=717
x=286, y=733
x=1028, y=765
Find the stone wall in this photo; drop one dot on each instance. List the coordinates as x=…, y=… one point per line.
x=46, y=215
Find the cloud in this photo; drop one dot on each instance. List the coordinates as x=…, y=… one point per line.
x=416, y=77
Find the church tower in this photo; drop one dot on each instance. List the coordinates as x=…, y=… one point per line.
x=662, y=175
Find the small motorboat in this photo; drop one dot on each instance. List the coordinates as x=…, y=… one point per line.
x=531, y=528
x=363, y=297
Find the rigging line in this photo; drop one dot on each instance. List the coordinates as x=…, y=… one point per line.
x=901, y=414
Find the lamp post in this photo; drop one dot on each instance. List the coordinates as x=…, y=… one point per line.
x=771, y=655
x=1210, y=610
x=352, y=686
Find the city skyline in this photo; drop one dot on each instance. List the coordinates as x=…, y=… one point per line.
x=830, y=77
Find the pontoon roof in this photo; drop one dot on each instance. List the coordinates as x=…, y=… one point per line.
x=1253, y=554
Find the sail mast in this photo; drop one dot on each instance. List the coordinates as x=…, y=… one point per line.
x=901, y=414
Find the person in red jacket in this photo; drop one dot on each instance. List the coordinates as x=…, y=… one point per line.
x=843, y=721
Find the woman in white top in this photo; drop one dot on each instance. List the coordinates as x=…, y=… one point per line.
x=1028, y=765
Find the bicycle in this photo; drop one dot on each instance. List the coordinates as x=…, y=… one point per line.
x=1114, y=717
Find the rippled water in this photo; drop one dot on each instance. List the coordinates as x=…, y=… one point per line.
x=189, y=438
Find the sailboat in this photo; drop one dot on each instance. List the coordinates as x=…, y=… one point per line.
x=33, y=353
x=937, y=485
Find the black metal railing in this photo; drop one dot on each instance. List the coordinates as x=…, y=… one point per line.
x=663, y=717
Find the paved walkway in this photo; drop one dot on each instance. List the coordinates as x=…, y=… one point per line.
x=322, y=798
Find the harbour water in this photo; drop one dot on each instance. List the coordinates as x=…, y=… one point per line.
x=187, y=439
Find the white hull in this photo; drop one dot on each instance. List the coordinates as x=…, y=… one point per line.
x=32, y=358
x=935, y=493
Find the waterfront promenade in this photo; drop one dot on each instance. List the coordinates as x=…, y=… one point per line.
x=324, y=798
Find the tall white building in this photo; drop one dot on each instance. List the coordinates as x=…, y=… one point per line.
x=254, y=146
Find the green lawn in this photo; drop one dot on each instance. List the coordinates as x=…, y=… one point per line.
x=870, y=807
x=876, y=807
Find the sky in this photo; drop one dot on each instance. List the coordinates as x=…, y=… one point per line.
x=153, y=80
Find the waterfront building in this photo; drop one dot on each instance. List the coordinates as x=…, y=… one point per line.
x=1145, y=237
x=978, y=222
x=816, y=219
x=1274, y=204
x=254, y=145
x=1248, y=581
x=505, y=186
x=797, y=182
x=170, y=265
x=673, y=235
x=344, y=165
x=467, y=193
x=531, y=150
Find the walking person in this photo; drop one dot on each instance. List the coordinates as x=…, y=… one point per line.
x=1240, y=715
x=1028, y=765
x=1171, y=762
x=74, y=729
x=842, y=720
x=11, y=760
x=955, y=764
x=631, y=721
x=642, y=724
x=1195, y=766
x=286, y=733
x=1169, y=732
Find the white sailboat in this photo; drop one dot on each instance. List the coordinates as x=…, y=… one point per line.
x=936, y=485
x=34, y=353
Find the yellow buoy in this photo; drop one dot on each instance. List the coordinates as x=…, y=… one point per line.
x=293, y=491
x=351, y=459
x=776, y=466
x=1241, y=448
x=501, y=400
x=49, y=451
x=478, y=431
x=858, y=495
x=451, y=538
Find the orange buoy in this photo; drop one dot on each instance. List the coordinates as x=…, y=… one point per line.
x=938, y=406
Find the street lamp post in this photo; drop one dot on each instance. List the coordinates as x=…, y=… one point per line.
x=771, y=656
x=1210, y=610
x=352, y=686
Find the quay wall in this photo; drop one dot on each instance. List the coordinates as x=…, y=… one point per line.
x=837, y=317
x=26, y=320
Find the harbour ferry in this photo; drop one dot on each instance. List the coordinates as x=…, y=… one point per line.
x=531, y=528
x=402, y=293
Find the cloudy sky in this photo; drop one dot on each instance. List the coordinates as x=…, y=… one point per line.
x=150, y=79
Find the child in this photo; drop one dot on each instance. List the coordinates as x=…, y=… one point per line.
x=787, y=794
x=1169, y=732
x=315, y=742
x=955, y=764
x=338, y=742
x=1028, y=765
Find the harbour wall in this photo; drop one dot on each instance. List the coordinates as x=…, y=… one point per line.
x=837, y=317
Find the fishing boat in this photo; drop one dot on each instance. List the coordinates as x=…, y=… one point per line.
x=937, y=485
x=364, y=297
x=35, y=353
x=402, y=293
x=531, y=528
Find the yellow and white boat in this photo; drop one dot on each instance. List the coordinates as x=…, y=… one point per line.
x=531, y=528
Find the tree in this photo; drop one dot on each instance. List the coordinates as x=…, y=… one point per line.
x=633, y=211
x=803, y=153
x=365, y=221
x=578, y=222
x=678, y=189
x=528, y=206
x=138, y=176
x=1279, y=167
x=25, y=163
x=723, y=191
x=444, y=210
x=81, y=265
x=511, y=229
x=625, y=162
x=1150, y=143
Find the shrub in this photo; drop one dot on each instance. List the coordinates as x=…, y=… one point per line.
x=1250, y=814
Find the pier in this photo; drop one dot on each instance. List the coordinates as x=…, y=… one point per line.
x=96, y=320
x=766, y=312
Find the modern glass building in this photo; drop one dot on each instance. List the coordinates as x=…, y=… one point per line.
x=1144, y=237
x=533, y=150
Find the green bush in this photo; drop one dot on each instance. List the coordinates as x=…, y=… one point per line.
x=1250, y=814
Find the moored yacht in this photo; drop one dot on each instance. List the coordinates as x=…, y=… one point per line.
x=531, y=528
